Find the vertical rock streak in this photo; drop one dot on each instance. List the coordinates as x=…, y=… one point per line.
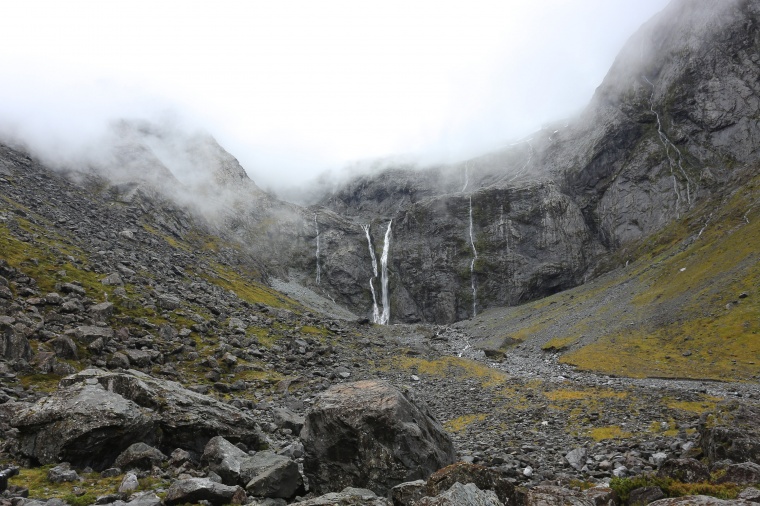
x=667, y=144
x=319, y=268
x=472, y=267
x=386, y=316
x=375, y=310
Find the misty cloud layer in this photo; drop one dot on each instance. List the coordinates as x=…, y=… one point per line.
x=295, y=88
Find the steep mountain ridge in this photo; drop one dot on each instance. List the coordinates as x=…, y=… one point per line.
x=676, y=114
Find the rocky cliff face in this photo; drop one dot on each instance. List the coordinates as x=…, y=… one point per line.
x=676, y=114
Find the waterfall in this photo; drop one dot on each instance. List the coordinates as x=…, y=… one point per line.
x=371, y=249
x=667, y=144
x=319, y=268
x=375, y=309
x=386, y=316
x=472, y=267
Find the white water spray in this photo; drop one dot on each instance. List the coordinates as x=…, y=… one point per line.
x=386, y=316
x=375, y=310
x=466, y=176
x=319, y=268
x=376, y=318
x=667, y=144
x=472, y=267
x=371, y=249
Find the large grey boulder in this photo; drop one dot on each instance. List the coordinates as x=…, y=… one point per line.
x=84, y=424
x=139, y=456
x=698, y=500
x=731, y=432
x=547, y=495
x=462, y=495
x=350, y=496
x=685, y=470
x=463, y=473
x=264, y=474
x=96, y=414
x=273, y=475
x=13, y=344
x=194, y=490
x=369, y=434
x=746, y=473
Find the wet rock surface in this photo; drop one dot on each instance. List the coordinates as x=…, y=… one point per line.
x=369, y=434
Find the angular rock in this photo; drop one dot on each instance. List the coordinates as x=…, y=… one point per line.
x=462, y=495
x=101, y=312
x=601, y=496
x=64, y=347
x=746, y=473
x=62, y=473
x=696, y=500
x=369, y=434
x=225, y=459
x=645, y=495
x=194, y=490
x=544, y=495
x=140, y=358
x=139, y=456
x=349, y=496
x=145, y=499
x=264, y=474
x=577, y=458
x=118, y=361
x=86, y=334
x=463, y=472
x=272, y=475
x=685, y=470
x=96, y=414
x=129, y=483
x=168, y=302
x=405, y=494
x=13, y=344
x=750, y=494
x=731, y=432
x=84, y=424
x=112, y=279
x=287, y=419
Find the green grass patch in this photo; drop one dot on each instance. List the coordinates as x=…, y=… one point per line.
x=609, y=432
x=672, y=488
x=559, y=343
x=461, y=423
x=447, y=367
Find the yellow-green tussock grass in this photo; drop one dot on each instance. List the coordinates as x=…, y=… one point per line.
x=707, y=403
x=609, y=432
x=249, y=290
x=447, y=367
x=461, y=423
x=559, y=343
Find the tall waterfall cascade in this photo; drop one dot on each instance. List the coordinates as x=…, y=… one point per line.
x=386, y=316
x=472, y=267
x=375, y=310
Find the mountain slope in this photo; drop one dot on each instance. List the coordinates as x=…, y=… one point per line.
x=676, y=116
x=685, y=308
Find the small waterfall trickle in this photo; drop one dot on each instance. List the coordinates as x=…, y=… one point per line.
x=472, y=267
x=375, y=310
x=319, y=268
x=386, y=316
x=668, y=144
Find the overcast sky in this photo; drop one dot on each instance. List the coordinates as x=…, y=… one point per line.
x=294, y=87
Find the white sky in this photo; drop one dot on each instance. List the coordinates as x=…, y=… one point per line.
x=293, y=87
